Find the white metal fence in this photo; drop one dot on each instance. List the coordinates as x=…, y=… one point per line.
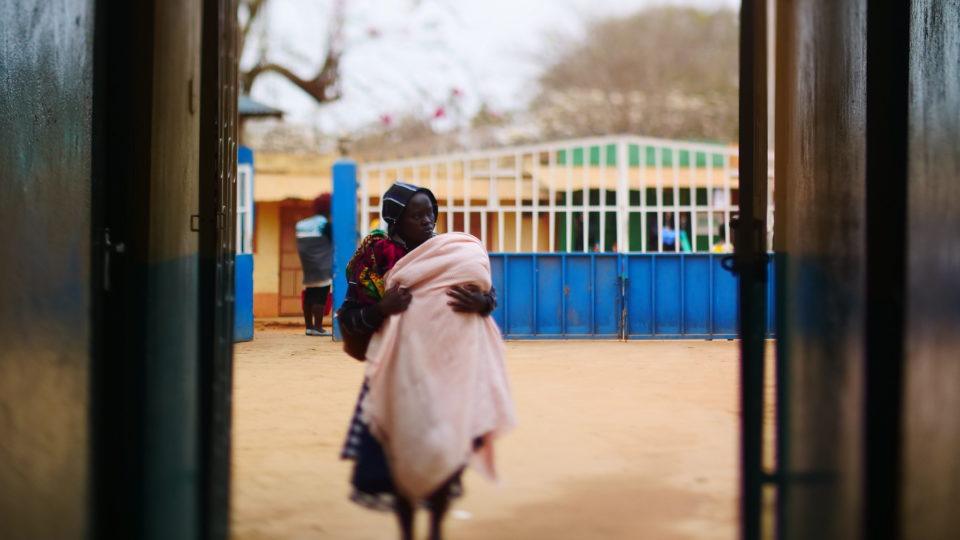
x=604, y=194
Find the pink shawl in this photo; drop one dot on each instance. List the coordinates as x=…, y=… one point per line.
x=437, y=377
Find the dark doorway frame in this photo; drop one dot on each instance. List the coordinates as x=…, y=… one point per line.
x=750, y=257
x=887, y=156
x=218, y=191
x=121, y=212
x=886, y=181
x=122, y=474
x=123, y=95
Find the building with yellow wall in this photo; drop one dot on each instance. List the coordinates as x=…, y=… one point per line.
x=285, y=186
x=571, y=196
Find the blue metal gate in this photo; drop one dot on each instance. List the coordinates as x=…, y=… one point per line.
x=610, y=296
x=639, y=283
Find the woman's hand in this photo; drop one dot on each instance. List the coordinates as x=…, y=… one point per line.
x=468, y=299
x=396, y=300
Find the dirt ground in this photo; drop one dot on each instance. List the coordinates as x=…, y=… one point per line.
x=615, y=440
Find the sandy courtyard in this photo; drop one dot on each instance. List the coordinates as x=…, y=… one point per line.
x=616, y=440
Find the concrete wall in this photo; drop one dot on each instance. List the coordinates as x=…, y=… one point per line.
x=46, y=84
x=820, y=171
x=931, y=470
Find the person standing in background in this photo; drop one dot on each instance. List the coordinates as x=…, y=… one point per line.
x=315, y=247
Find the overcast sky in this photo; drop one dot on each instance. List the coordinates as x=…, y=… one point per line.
x=407, y=56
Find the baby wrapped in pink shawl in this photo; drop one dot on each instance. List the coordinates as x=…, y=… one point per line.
x=437, y=377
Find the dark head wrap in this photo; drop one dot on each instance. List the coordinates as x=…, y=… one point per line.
x=396, y=199
x=321, y=205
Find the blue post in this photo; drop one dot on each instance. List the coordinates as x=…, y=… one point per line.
x=344, y=215
x=243, y=259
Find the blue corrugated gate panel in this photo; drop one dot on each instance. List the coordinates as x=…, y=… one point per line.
x=667, y=290
x=586, y=295
x=606, y=305
x=725, y=301
x=639, y=296
x=520, y=278
x=696, y=294
x=578, y=290
x=549, y=300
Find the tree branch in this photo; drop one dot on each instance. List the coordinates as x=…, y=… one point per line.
x=325, y=86
x=253, y=11
x=322, y=88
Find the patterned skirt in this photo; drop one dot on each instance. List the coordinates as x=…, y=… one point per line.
x=372, y=484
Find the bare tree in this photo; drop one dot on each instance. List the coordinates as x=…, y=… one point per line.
x=417, y=32
x=323, y=87
x=665, y=71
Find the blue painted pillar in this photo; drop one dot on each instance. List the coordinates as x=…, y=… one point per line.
x=344, y=215
x=243, y=258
